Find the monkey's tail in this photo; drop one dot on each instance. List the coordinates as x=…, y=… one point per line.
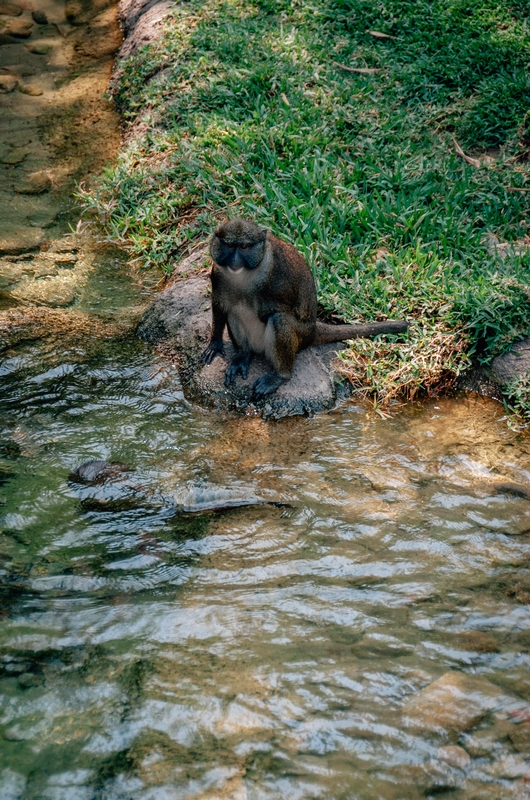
x=338, y=333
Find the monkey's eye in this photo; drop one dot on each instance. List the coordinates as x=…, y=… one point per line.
x=243, y=246
x=231, y=246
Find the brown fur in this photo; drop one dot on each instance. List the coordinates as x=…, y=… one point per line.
x=264, y=292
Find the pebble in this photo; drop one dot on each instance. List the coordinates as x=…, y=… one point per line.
x=520, y=738
x=454, y=756
x=20, y=29
x=16, y=156
x=67, y=261
x=38, y=48
x=22, y=241
x=510, y=767
x=30, y=88
x=9, y=274
x=64, y=247
x=455, y=701
x=10, y=9
x=8, y=83
x=42, y=219
x=477, y=641
x=37, y=183
x=4, y=39
x=29, y=679
x=39, y=17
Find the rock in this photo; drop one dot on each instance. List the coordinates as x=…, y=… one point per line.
x=39, y=17
x=520, y=738
x=51, y=292
x=519, y=525
x=454, y=756
x=510, y=767
x=4, y=39
x=9, y=9
x=477, y=641
x=376, y=645
x=38, y=48
x=37, y=183
x=16, y=156
x=512, y=488
x=21, y=241
x=432, y=776
x=29, y=679
x=453, y=702
x=42, y=219
x=486, y=741
x=30, y=88
x=9, y=274
x=515, y=363
x=180, y=319
x=29, y=323
x=97, y=472
x=20, y=29
x=67, y=261
x=8, y=83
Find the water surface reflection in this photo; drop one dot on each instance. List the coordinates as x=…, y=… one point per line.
x=260, y=652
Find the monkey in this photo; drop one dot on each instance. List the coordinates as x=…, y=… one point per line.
x=264, y=293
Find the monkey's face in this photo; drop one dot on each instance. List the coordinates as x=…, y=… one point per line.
x=237, y=255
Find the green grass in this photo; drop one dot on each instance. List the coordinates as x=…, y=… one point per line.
x=245, y=111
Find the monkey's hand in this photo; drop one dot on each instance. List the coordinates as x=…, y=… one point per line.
x=215, y=348
x=240, y=363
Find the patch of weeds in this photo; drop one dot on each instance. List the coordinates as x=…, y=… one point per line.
x=246, y=108
x=518, y=399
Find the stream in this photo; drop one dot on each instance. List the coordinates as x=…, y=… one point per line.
x=361, y=634
x=263, y=652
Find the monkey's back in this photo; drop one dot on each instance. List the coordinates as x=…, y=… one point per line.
x=290, y=285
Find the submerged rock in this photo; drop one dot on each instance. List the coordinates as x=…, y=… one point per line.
x=180, y=320
x=38, y=183
x=38, y=48
x=520, y=738
x=21, y=29
x=455, y=756
x=97, y=471
x=39, y=17
x=453, y=702
x=8, y=83
x=10, y=9
x=31, y=89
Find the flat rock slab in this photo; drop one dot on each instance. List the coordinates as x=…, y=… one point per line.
x=13, y=242
x=453, y=702
x=180, y=320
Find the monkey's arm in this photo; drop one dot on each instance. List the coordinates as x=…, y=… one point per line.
x=216, y=342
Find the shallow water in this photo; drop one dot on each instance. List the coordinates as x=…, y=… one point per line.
x=263, y=652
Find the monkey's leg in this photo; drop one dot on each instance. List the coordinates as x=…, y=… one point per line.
x=240, y=363
x=216, y=342
x=282, y=341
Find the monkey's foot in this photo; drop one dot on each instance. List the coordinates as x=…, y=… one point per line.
x=267, y=385
x=213, y=349
x=240, y=363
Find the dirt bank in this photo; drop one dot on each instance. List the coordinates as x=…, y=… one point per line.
x=57, y=128
x=56, y=125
